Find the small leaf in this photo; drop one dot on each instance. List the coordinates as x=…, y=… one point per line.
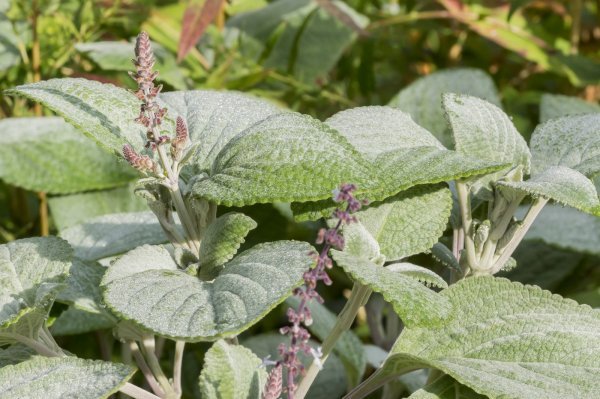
x=74, y=322
x=419, y=273
x=563, y=185
x=62, y=377
x=348, y=347
x=221, y=241
x=442, y=254
x=231, y=372
x=556, y=105
x=15, y=354
x=414, y=303
x=32, y=271
x=146, y=287
x=113, y=234
x=47, y=154
x=196, y=19
x=423, y=98
x=572, y=141
x=445, y=387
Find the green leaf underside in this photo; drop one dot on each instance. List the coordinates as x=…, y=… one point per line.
x=69, y=210
x=577, y=231
x=222, y=240
x=284, y=158
x=31, y=272
x=113, y=234
x=419, y=273
x=556, y=105
x=104, y=112
x=423, y=98
x=62, y=377
x=442, y=254
x=445, y=387
x=175, y=304
x=414, y=303
x=14, y=354
x=47, y=154
x=74, y=321
x=572, y=141
x=348, y=347
x=563, y=185
x=231, y=372
x=509, y=340
x=483, y=131
x=82, y=289
x=410, y=222
x=331, y=382
x=375, y=130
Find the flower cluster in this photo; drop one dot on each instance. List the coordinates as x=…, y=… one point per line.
x=299, y=336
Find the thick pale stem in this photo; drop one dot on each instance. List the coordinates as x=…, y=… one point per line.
x=359, y=296
x=464, y=202
x=177, y=364
x=37, y=346
x=141, y=362
x=148, y=350
x=137, y=392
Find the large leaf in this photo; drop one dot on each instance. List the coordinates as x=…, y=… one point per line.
x=31, y=272
x=572, y=141
x=113, y=234
x=410, y=222
x=414, y=303
x=508, y=340
x=62, y=377
x=563, y=185
x=231, y=372
x=348, y=347
x=116, y=56
x=221, y=241
x=482, y=130
x=48, y=154
x=445, y=387
x=102, y=111
x=286, y=157
x=69, y=210
x=423, y=98
x=556, y=105
x=146, y=286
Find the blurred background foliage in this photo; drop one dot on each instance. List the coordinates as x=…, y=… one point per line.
x=537, y=59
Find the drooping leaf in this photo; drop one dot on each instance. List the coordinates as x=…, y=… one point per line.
x=419, y=273
x=196, y=19
x=442, y=254
x=563, y=185
x=69, y=210
x=32, y=271
x=47, y=154
x=331, y=382
x=482, y=130
x=101, y=111
x=221, y=241
x=74, y=321
x=348, y=347
x=556, y=105
x=445, y=387
x=572, y=141
x=62, y=377
x=116, y=56
x=423, y=98
x=410, y=222
x=506, y=340
x=146, y=287
x=414, y=303
x=113, y=234
x=231, y=372
x=286, y=157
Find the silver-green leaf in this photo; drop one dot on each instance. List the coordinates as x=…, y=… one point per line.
x=556, y=105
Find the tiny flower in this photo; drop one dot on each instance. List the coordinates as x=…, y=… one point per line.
x=143, y=163
x=180, y=141
x=274, y=383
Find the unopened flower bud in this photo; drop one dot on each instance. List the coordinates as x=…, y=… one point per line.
x=180, y=141
x=274, y=384
x=143, y=163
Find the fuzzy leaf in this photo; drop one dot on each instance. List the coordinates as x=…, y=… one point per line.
x=442, y=254
x=74, y=321
x=62, y=377
x=572, y=141
x=32, y=270
x=348, y=347
x=563, y=185
x=14, y=354
x=410, y=222
x=414, y=303
x=556, y=105
x=507, y=340
x=222, y=240
x=231, y=372
x=286, y=157
x=419, y=273
x=103, y=112
x=113, y=234
x=47, y=154
x=146, y=287
x=482, y=130
x=445, y=387
x=423, y=98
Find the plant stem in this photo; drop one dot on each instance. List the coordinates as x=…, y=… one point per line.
x=150, y=356
x=37, y=346
x=177, y=363
x=464, y=201
x=533, y=212
x=141, y=362
x=137, y=392
x=359, y=296
x=576, y=25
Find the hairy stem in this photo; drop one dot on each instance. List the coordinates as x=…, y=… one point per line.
x=141, y=362
x=38, y=346
x=137, y=392
x=148, y=351
x=177, y=363
x=464, y=201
